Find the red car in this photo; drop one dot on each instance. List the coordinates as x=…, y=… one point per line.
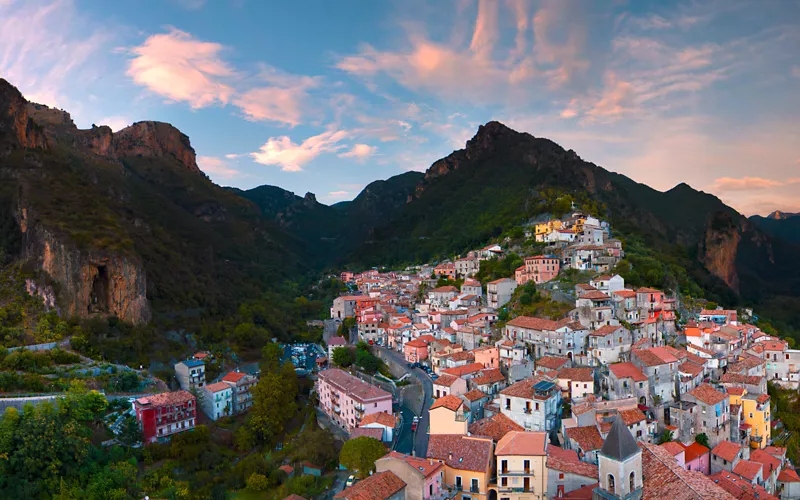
x=414, y=427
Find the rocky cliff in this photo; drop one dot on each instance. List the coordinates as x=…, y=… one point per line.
x=719, y=247
x=88, y=282
x=14, y=120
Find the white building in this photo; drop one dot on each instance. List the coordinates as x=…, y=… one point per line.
x=216, y=400
x=499, y=292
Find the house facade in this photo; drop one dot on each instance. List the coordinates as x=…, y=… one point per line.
x=241, y=384
x=165, y=414
x=191, y=374
x=216, y=400
x=346, y=399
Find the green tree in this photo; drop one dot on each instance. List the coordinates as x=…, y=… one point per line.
x=274, y=403
x=360, y=454
x=316, y=445
x=702, y=439
x=271, y=356
x=130, y=433
x=343, y=356
x=666, y=436
x=257, y=482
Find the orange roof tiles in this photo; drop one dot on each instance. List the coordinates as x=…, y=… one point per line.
x=522, y=443
x=217, y=387
x=747, y=469
x=727, y=450
x=234, y=377
x=462, y=452
x=450, y=402
x=425, y=467
x=551, y=362
x=352, y=386
x=664, y=478
x=576, y=374
x=490, y=376
x=632, y=416
x=475, y=395
x=769, y=462
x=740, y=488
x=460, y=371
x=378, y=486
x=167, y=398
x=446, y=380
x=494, y=427
x=605, y=330
x=695, y=450
x=673, y=448
x=707, y=394
x=588, y=437
x=380, y=417
x=627, y=370
x=788, y=476
x=533, y=323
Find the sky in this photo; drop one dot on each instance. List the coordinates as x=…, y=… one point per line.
x=328, y=96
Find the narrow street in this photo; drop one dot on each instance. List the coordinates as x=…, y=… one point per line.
x=420, y=437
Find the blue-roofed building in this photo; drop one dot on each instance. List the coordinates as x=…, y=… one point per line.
x=191, y=374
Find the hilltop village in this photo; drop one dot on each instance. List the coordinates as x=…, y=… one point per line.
x=628, y=395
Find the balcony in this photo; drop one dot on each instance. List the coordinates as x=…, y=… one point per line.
x=518, y=473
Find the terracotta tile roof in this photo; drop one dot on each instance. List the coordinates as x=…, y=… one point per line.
x=551, y=362
x=632, y=416
x=562, y=464
x=293, y=496
x=655, y=356
x=788, y=476
x=352, y=386
x=739, y=487
x=217, y=387
x=690, y=368
x=582, y=493
x=475, y=395
x=748, y=469
x=763, y=398
x=588, y=437
x=371, y=432
x=533, y=323
x=627, y=370
x=673, y=448
x=445, y=289
x=594, y=295
x=450, y=402
x=462, y=356
x=378, y=486
x=425, y=467
x=490, y=376
x=167, y=398
x=234, y=377
x=727, y=450
x=776, y=451
x=494, y=427
x=576, y=374
x=337, y=341
x=663, y=478
x=460, y=371
x=628, y=294
x=707, y=394
x=523, y=388
x=462, y=452
x=380, y=417
x=522, y=443
x=446, y=380
x=416, y=343
x=769, y=462
x=647, y=290
x=605, y=330
x=738, y=378
x=695, y=450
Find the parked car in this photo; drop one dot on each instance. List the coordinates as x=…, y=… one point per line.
x=350, y=481
x=414, y=427
x=434, y=376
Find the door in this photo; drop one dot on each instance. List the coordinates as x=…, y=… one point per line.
x=526, y=484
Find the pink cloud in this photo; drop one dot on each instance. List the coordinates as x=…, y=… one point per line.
x=749, y=183
x=181, y=68
x=486, y=32
x=360, y=152
x=618, y=98
x=291, y=157
x=216, y=167
x=285, y=100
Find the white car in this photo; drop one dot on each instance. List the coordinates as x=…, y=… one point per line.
x=350, y=481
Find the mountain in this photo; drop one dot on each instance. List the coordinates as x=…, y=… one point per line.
x=778, y=224
x=503, y=177
x=331, y=232
x=125, y=223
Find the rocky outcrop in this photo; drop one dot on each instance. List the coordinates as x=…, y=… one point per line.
x=155, y=139
x=88, y=282
x=718, y=249
x=14, y=120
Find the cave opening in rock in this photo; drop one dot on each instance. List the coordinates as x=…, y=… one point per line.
x=98, y=301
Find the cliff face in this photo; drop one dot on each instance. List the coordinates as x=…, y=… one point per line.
x=14, y=119
x=88, y=282
x=718, y=250
x=154, y=139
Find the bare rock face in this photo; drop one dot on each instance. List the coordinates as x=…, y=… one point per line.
x=89, y=282
x=154, y=139
x=719, y=248
x=14, y=119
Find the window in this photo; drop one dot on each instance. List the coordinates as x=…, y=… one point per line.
x=475, y=488
x=458, y=482
x=611, y=486
x=508, y=404
x=504, y=466
x=633, y=481
x=526, y=465
x=561, y=475
x=503, y=481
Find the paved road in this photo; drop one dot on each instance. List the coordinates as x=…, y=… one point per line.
x=421, y=436
x=405, y=438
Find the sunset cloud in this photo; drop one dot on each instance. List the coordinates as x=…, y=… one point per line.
x=360, y=152
x=177, y=66
x=749, y=183
x=284, y=100
x=216, y=168
x=291, y=157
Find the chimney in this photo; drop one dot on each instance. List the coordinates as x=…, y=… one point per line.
x=450, y=456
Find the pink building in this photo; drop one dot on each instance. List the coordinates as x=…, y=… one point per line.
x=424, y=478
x=649, y=299
x=488, y=356
x=542, y=268
x=698, y=458
x=415, y=350
x=347, y=399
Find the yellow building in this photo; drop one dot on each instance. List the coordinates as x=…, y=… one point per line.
x=468, y=463
x=448, y=416
x=521, y=471
x=756, y=413
x=544, y=228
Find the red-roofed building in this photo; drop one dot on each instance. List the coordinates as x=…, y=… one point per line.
x=789, y=483
x=424, y=477
x=740, y=488
x=725, y=456
x=165, y=414
x=241, y=385
x=415, y=350
x=379, y=486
